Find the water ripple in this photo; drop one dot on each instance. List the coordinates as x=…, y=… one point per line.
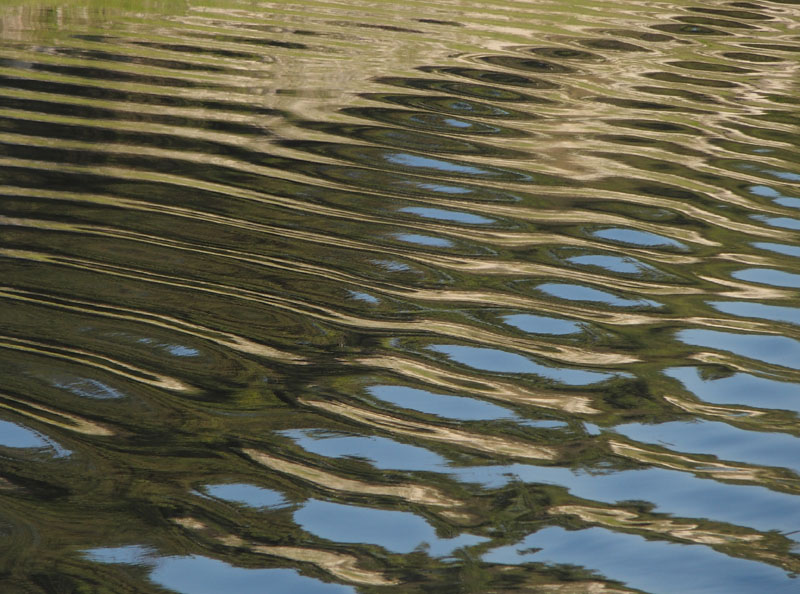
x=347, y=296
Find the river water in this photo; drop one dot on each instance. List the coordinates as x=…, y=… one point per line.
x=482, y=296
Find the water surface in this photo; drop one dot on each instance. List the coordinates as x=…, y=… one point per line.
x=326, y=296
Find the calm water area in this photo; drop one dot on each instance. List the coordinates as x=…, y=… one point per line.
x=425, y=297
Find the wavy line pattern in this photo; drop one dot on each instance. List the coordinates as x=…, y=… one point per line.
x=328, y=296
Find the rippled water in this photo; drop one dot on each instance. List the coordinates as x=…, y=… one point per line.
x=456, y=296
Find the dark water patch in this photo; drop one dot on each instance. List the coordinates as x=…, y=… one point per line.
x=778, y=47
x=710, y=67
x=199, y=204
x=647, y=163
x=680, y=93
x=438, y=22
x=85, y=133
x=688, y=29
x=107, y=74
x=528, y=64
x=672, y=77
x=108, y=94
x=751, y=57
x=411, y=139
x=646, y=105
x=642, y=141
x=782, y=99
x=657, y=126
x=254, y=41
x=612, y=45
x=641, y=35
x=106, y=56
x=457, y=106
x=390, y=28
x=91, y=113
x=402, y=183
x=759, y=170
x=94, y=38
x=263, y=28
x=458, y=88
x=779, y=116
x=232, y=177
x=143, y=346
x=656, y=189
x=239, y=318
x=566, y=53
x=200, y=50
x=715, y=22
x=734, y=14
x=748, y=148
x=495, y=77
x=637, y=212
x=409, y=161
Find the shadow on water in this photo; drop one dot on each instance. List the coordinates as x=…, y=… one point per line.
x=366, y=297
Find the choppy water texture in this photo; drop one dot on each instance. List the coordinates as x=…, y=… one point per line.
x=453, y=296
